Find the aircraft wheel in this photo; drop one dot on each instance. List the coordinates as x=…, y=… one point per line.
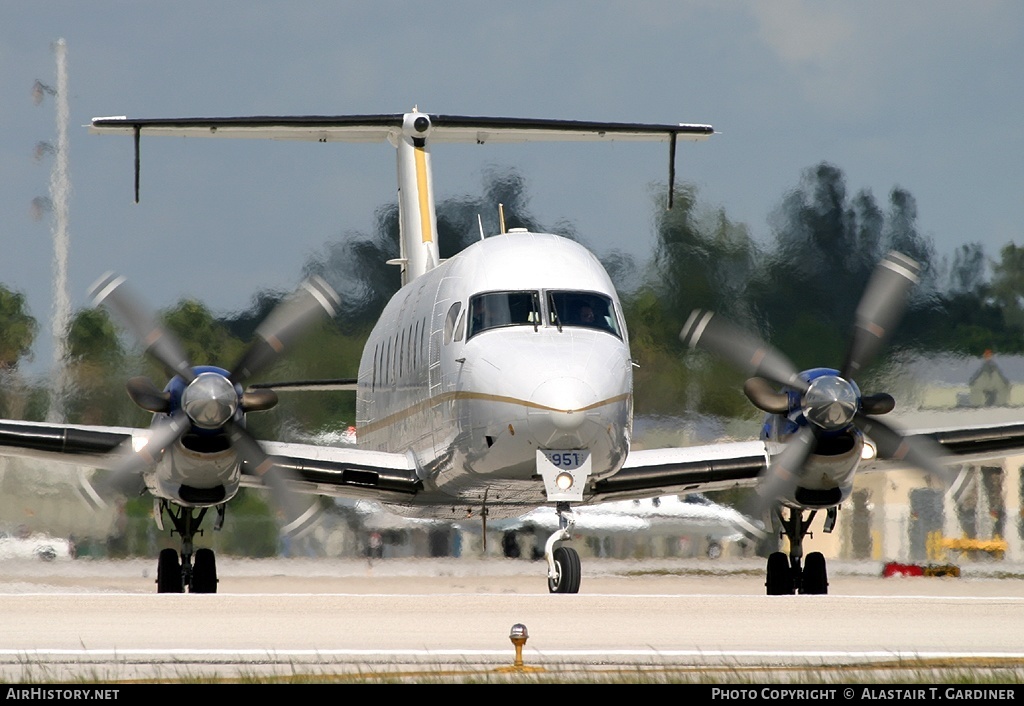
x=168, y=573
x=714, y=550
x=567, y=562
x=815, y=577
x=204, y=572
x=779, y=578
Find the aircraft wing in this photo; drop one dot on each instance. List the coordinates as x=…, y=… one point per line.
x=348, y=471
x=82, y=445
x=652, y=472
x=323, y=470
x=345, y=471
x=966, y=443
x=688, y=469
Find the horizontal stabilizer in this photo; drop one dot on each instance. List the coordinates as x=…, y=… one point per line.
x=377, y=128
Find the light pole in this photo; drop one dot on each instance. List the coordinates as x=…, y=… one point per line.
x=60, y=188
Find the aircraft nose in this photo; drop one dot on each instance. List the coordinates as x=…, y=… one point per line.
x=558, y=409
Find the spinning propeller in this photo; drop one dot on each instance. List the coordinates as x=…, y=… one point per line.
x=829, y=402
x=211, y=400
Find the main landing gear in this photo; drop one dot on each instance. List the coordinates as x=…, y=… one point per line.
x=785, y=575
x=198, y=574
x=563, y=562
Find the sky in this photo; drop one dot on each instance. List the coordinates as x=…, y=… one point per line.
x=922, y=95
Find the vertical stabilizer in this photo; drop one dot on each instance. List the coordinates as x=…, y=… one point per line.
x=417, y=218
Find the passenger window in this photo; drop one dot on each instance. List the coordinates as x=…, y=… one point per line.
x=373, y=382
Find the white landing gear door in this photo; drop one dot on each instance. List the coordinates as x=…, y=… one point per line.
x=565, y=473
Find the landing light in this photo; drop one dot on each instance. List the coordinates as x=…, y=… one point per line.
x=564, y=481
x=868, y=451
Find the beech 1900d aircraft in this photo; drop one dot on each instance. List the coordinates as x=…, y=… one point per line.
x=494, y=382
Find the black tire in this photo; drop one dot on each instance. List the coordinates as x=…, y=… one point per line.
x=204, y=572
x=567, y=562
x=815, y=578
x=714, y=550
x=779, y=578
x=168, y=573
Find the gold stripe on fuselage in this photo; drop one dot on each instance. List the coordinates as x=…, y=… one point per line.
x=426, y=404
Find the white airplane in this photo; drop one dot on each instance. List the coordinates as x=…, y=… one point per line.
x=494, y=382
x=689, y=516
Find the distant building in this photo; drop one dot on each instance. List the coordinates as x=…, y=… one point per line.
x=948, y=381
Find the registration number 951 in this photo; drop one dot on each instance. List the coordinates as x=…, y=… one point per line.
x=567, y=460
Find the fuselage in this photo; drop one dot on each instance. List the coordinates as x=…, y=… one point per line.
x=515, y=345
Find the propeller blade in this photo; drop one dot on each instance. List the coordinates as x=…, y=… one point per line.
x=125, y=478
x=918, y=451
x=880, y=309
x=144, y=393
x=753, y=529
x=763, y=395
x=708, y=331
x=298, y=512
x=112, y=291
x=782, y=475
x=288, y=321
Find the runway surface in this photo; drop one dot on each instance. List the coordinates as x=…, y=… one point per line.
x=63, y=621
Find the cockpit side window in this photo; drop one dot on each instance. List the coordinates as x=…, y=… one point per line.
x=449, y=321
x=583, y=309
x=499, y=309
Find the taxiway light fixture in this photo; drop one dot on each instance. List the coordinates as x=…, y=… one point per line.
x=564, y=481
x=518, y=636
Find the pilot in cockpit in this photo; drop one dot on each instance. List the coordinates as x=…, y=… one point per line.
x=586, y=314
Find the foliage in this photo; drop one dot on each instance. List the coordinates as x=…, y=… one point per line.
x=96, y=365
x=207, y=340
x=17, y=329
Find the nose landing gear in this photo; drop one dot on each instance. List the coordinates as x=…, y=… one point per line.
x=785, y=575
x=199, y=575
x=564, y=571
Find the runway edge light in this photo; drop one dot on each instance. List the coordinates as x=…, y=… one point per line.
x=518, y=635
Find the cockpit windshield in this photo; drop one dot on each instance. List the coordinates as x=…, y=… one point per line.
x=498, y=309
x=585, y=309
x=564, y=308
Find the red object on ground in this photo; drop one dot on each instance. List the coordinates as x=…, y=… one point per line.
x=896, y=569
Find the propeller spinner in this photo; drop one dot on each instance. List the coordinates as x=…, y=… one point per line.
x=212, y=399
x=830, y=400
